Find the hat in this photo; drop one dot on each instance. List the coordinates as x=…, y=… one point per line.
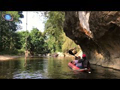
x=83, y=55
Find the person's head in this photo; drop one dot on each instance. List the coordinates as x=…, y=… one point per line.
x=84, y=56
x=79, y=57
x=76, y=57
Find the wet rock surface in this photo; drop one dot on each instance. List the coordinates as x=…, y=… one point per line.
x=97, y=33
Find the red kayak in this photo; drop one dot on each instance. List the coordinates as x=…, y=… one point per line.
x=73, y=67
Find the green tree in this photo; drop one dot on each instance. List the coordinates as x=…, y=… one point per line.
x=7, y=30
x=68, y=44
x=54, y=30
x=22, y=39
x=56, y=38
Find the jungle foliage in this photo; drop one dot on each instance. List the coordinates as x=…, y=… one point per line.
x=57, y=40
x=53, y=39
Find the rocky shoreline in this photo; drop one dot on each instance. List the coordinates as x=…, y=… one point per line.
x=8, y=57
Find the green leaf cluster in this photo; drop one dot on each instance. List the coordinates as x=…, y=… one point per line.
x=8, y=36
x=54, y=30
x=56, y=38
x=33, y=41
x=53, y=39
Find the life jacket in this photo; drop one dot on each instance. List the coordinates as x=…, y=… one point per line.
x=85, y=63
x=79, y=65
x=76, y=61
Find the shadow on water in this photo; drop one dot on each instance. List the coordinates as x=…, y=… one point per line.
x=50, y=68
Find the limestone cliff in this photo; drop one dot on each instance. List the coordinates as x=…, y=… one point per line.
x=97, y=33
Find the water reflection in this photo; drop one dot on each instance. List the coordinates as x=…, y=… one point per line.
x=50, y=68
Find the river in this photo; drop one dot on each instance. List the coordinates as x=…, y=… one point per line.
x=50, y=68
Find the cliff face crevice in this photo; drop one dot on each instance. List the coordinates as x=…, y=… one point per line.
x=97, y=33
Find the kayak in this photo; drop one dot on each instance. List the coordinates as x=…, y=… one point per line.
x=73, y=67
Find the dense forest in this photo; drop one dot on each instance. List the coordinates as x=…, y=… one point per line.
x=8, y=36
x=52, y=40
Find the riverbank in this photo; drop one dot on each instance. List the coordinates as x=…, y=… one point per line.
x=59, y=55
x=8, y=57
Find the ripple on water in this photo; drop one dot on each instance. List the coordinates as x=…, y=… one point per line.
x=26, y=75
x=51, y=69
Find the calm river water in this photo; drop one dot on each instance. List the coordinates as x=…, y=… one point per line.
x=50, y=68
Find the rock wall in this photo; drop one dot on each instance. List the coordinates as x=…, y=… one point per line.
x=97, y=33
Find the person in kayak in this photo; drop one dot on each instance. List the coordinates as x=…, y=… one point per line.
x=79, y=63
x=85, y=62
x=75, y=61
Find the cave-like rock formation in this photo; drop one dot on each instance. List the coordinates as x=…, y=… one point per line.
x=97, y=33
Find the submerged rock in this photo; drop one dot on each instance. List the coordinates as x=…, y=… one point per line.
x=97, y=33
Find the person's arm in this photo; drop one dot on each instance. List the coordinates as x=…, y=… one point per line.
x=82, y=60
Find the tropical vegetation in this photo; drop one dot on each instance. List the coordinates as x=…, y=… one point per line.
x=52, y=40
